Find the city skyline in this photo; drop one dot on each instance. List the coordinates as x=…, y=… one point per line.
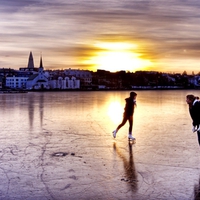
x=90, y=35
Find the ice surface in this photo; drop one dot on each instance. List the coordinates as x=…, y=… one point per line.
x=59, y=145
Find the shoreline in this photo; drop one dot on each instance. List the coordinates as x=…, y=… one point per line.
x=100, y=90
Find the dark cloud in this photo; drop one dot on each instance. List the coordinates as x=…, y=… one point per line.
x=13, y=6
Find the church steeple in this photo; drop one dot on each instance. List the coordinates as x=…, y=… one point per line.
x=41, y=69
x=30, y=61
x=41, y=64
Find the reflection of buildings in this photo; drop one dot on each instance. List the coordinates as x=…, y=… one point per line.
x=41, y=108
x=31, y=108
x=129, y=167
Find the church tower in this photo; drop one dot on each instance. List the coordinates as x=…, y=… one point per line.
x=30, y=61
x=41, y=64
x=41, y=69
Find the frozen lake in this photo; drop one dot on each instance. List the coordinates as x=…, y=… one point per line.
x=59, y=145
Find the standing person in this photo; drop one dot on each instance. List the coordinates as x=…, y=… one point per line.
x=128, y=115
x=194, y=110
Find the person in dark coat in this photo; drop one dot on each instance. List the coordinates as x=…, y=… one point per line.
x=194, y=110
x=128, y=115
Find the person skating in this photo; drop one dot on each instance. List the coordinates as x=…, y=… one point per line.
x=128, y=115
x=194, y=110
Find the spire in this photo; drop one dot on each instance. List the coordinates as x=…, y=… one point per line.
x=41, y=64
x=30, y=61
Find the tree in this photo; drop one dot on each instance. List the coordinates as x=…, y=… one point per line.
x=184, y=73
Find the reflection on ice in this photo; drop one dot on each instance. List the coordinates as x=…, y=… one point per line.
x=115, y=111
x=129, y=167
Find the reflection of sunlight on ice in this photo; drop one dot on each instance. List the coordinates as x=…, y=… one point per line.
x=115, y=111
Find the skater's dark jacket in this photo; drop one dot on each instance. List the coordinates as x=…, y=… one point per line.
x=129, y=107
x=195, y=112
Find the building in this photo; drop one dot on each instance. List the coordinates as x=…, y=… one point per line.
x=32, y=78
x=1, y=82
x=64, y=83
x=18, y=78
x=85, y=76
x=30, y=66
x=16, y=81
x=38, y=80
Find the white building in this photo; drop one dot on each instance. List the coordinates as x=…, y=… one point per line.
x=16, y=81
x=64, y=83
x=36, y=78
x=84, y=75
x=19, y=79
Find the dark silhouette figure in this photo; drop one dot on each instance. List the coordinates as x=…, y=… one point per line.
x=128, y=115
x=194, y=110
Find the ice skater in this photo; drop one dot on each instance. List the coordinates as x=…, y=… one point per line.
x=194, y=110
x=128, y=115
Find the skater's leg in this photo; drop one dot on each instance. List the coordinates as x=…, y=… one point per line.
x=130, y=124
x=122, y=124
x=119, y=126
x=130, y=128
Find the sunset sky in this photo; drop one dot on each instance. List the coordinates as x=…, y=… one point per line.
x=114, y=35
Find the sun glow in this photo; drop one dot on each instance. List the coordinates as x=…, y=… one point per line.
x=117, y=56
x=115, y=111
